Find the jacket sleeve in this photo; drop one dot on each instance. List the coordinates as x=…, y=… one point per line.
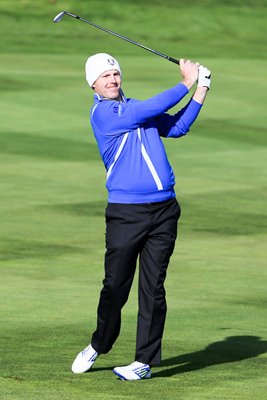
x=114, y=118
x=178, y=124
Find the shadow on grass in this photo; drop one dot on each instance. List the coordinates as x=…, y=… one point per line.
x=48, y=148
x=231, y=349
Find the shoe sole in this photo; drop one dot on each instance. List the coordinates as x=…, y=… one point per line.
x=120, y=376
x=124, y=379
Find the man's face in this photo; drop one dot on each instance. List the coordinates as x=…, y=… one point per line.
x=108, y=85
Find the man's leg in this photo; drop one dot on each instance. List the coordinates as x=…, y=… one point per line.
x=123, y=236
x=123, y=233
x=154, y=260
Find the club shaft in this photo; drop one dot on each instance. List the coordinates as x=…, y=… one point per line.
x=124, y=38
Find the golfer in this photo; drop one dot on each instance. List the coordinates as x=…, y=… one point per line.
x=142, y=211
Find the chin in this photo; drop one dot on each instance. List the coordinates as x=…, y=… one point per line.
x=114, y=96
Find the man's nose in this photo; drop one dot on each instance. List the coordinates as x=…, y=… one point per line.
x=114, y=79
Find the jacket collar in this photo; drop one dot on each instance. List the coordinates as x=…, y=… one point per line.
x=98, y=98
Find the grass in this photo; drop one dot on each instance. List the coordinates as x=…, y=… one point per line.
x=53, y=199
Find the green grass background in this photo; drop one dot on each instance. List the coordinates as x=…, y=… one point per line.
x=53, y=199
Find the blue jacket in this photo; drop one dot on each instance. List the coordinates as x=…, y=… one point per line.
x=128, y=135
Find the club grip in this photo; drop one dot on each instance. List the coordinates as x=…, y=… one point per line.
x=174, y=60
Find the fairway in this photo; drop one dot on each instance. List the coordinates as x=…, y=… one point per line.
x=53, y=199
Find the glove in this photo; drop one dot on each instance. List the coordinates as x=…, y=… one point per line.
x=204, y=77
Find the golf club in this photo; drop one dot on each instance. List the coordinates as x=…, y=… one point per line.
x=61, y=15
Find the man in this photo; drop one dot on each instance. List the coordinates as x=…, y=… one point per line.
x=142, y=211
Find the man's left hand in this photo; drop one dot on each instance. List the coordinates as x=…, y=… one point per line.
x=204, y=77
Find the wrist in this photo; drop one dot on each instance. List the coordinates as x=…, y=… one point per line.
x=200, y=94
x=188, y=82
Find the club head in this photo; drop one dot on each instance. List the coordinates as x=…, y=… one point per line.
x=59, y=16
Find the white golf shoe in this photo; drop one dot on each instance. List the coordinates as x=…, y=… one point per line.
x=133, y=372
x=84, y=360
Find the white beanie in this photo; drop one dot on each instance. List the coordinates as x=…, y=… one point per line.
x=97, y=64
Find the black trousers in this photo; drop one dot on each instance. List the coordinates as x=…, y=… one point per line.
x=148, y=231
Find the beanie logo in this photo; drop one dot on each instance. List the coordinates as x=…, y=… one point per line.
x=110, y=61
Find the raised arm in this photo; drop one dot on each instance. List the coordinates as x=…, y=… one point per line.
x=179, y=124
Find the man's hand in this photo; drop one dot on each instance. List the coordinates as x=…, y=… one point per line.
x=204, y=77
x=203, y=84
x=189, y=72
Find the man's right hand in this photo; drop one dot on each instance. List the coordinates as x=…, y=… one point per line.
x=189, y=72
